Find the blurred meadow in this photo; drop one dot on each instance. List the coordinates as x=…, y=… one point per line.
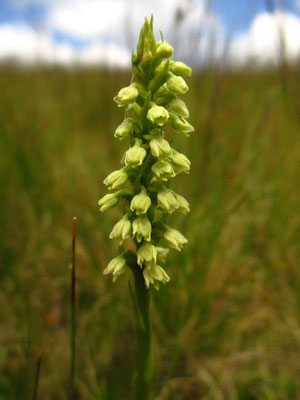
x=227, y=326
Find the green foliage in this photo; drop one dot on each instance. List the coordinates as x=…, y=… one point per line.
x=228, y=327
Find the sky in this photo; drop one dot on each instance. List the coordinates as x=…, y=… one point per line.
x=88, y=32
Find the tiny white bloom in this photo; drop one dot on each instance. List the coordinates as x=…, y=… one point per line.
x=122, y=229
x=141, y=202
x=154, y=275
x=174, y=238
x=135, y=155
x=147, y=254
x=141, y=228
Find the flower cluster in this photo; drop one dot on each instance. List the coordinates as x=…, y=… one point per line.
x=143, y=184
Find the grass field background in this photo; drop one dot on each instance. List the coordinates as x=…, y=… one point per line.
x=227, y=326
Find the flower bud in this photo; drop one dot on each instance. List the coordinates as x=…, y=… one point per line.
x=124, y=130
x=142, y=91
x=116, y=179
x=135, y=155
x=177, y=85
x=164, y=50
x=126, y=95
x=159, y=79
x=163, y=170
x=179, y=68
x=117, y=266
x=141, y=41
x=183, y=204
x=108, y=201
x=141, y=228
x=166, y=200
x=160, y=67
x=141, y=202
x=135, y=109
x=135, y=58
x=159, y=147
x=180, y=125
x=154, y=275
x=158, y=115
x=122, y=229
x=180, y=162
x=177, y=106
x=162, y=254
x=174, y=238
x=163, y=95
x=147, y=254
x=147, y=56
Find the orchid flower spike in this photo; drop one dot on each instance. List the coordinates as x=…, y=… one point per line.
x=151, y=101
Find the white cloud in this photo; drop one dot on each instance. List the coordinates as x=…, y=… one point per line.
x=108, y=55
x=28, y=46
x=263, y=42
x=109, y=27
x=21, y=43
x=91, y=19
x=86, y=19
x=120, y=20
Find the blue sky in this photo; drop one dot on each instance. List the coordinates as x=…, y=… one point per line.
x=95, y=24
x=236, y=14
x=11, y=11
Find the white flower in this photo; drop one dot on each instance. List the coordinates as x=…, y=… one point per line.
x=135, y=155
x=141, y=228
x=108, y=201
x=174, y=238
x=183, y=204
x=147, y=254
x=159, y=147
x=158, y=115
x=177, y=85
x=122, y=229
x=117, y=266
x=126, y=95
x=180, y=162
x=141, y=202
x=178, y=107
x=116, y=179
x=111, y=199
x=181, y=125
x=154, y=275
x=163, y=170
x=166, y=200
x=179, y=68
x=124, y=130
x=164, y=50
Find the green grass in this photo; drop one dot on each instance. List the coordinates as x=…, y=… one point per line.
x=227, y=326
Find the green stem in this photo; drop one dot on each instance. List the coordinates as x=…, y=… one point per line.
x=37, y=378
x=141, y=300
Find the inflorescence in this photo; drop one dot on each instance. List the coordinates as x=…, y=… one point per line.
x=143, y=184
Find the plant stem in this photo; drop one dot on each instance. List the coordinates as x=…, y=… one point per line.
x=141, y=300
x=37, y=378
x=73, y=313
